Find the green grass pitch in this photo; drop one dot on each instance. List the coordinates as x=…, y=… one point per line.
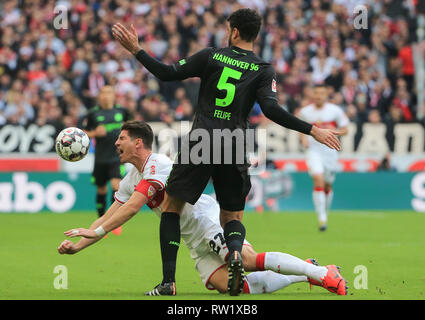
x=390, y=245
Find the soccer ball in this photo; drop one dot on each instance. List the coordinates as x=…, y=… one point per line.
x=72, y=144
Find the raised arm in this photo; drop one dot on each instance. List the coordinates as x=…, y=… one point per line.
x=192, y=66
x=266, y=97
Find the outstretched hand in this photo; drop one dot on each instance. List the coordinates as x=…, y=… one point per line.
x=81, y=232
x=127, y=38
x=67, y=247
x=326, y=136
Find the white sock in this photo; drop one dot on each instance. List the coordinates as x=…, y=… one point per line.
x=287, y=264
x=319, y=200
x=329, y=198
x=269, y=281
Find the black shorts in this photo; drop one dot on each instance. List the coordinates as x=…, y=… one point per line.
x=231, y=183
x=105, y=171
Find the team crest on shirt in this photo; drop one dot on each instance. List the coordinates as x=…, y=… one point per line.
x=274, y=85
x=151, y=191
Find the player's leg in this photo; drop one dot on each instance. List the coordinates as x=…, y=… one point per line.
x=214, y=275
x=255, y=282
x=329, y=179
x=234, y=235
x=234, y=231
x=115, y=174
x=100, y=179
x=101, y=194
x=269, y=281
x=329, y=196
x=185, y=183
x=295, y=269
x=319, y=200
x=316, y=170
x=232, y=184
x=169, y=238
x=280, y=262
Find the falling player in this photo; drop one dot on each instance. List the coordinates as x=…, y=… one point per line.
x=200, y=226
x=103, y=123
x=322, y=161
x=232, y=79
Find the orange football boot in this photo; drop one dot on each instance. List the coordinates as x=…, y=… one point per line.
x=117, y=231
x=333, y=281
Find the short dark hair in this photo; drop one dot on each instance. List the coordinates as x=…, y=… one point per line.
x=247, y=21
x=320, y=85
x=139, y=129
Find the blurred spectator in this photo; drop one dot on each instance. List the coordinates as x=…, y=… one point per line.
x=403, y=102
x=374, y=116
x=17, y=110
x=405, y=56
x=184, y=110
x=93, y=82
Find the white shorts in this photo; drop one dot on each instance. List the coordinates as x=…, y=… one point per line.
x=211, y=254
x=322, y=163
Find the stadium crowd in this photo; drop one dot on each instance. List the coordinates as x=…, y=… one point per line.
x=50, y=75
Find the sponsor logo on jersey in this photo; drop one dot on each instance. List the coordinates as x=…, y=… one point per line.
x=274, y=85
x=118, y=117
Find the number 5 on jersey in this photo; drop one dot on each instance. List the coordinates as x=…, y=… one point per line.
x=223, y=84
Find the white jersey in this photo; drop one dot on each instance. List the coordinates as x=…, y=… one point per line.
x=194, y=220
x=329, y=116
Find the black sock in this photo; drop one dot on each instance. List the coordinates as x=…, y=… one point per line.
x=234, y=233
x=169, y=237
x=100, y=204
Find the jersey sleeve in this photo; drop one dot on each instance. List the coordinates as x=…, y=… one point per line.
x=267, y=98
x=342, y=119
x=124, y=191
x=192, y=66
x=267, y=85
x=302, y=114
x=156, y=173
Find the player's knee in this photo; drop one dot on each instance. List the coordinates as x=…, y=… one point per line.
x=219, y=285
x=102, y=189
x=318, y=181
x=172, y=204
x=222, y=289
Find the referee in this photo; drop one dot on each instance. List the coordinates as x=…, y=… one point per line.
x=232, y=79
x=103, y=123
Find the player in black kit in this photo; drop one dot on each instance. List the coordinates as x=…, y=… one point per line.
x=232, y=79
x=103, y=122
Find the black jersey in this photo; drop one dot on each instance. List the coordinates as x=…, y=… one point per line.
x=111, y=119
x=232, y=79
